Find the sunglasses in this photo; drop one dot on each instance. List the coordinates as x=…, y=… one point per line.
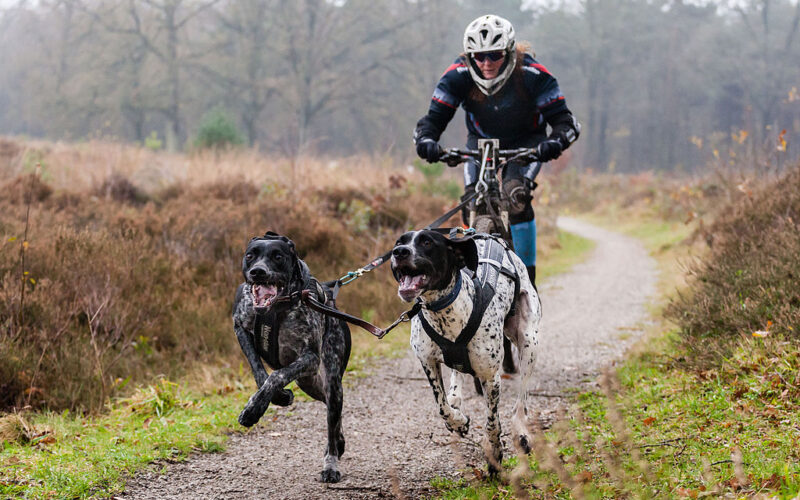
x=492, y=56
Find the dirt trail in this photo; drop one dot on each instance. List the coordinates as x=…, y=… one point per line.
x=396, y=441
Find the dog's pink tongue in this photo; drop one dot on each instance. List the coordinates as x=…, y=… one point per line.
x=410, y=283
x=264, y=294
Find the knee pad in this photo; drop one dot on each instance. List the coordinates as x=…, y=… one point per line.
x=518, y=194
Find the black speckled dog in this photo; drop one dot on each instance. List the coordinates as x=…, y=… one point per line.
x=464, y=318
x=298, y=343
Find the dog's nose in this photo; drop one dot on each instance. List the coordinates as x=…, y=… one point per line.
x=258, y=272
x=401, y=252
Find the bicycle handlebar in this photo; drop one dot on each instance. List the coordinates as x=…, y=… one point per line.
x=455, y=156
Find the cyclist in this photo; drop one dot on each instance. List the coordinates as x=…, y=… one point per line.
x=506, y=95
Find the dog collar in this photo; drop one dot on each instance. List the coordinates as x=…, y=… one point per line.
x=438, y=305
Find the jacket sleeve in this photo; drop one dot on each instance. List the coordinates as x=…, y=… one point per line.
x=448, y=95
x=544, y=89
x=564, y=127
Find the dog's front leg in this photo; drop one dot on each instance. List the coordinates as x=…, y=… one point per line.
x=454, y=394
x=281, y=397
x=305, y=365
x=246, y=342
x=454, y=420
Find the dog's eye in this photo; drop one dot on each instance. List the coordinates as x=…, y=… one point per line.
x=248, y=256
x=277, y=257
x=427, y=243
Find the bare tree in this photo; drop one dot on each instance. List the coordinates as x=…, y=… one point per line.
x=158, y=26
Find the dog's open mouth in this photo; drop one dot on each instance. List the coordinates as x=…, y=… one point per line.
x=265, y=294
x=411, y=285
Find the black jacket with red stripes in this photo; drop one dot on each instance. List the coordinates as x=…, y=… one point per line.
x=518, y=114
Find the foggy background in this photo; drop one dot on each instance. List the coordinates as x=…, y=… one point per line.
x=656, y=84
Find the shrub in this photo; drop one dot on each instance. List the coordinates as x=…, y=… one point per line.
x=152, y=142
x=217, y=131
x=748, y=281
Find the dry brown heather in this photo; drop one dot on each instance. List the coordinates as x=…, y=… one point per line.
x=750, y=281
x=134, y=256
x=746, y=275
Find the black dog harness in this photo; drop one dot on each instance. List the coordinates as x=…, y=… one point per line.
x=490, y=266
x=268, y=323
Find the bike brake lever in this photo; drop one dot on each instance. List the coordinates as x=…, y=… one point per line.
x=454, y=161
x=451, y=159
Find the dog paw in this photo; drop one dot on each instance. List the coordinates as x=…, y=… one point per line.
x=524, y=444
x=462, y=429
x=330, y=476
x=283, y=397
x=493, y=472
x=249, y=416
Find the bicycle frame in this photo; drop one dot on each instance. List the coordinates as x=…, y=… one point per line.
x=489, y=211
x=491, y=202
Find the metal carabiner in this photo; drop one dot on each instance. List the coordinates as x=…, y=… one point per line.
x=351, y=276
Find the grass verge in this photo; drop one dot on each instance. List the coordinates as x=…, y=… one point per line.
x=69, y=456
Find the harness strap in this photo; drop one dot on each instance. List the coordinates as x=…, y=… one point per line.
x=455, y=353
x=322, y=308
x=267, y=325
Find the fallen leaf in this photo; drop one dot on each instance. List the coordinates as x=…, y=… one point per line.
x=49, y=439
x=772, y=482
x=648, y=420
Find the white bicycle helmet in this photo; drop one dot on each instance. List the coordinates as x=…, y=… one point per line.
x=485, y=34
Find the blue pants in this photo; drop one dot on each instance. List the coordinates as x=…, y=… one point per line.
x=524, y=236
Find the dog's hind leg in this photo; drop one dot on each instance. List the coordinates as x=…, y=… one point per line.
x=330, y=472
x=491, y=391
x=524, y=330
x=306, y=364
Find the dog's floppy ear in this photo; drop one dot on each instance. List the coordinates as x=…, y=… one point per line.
x=466, y=252
x=298, y=268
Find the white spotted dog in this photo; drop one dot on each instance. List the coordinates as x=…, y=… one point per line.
x=470, y=292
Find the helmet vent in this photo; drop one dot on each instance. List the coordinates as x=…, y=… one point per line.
x=496, y=38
